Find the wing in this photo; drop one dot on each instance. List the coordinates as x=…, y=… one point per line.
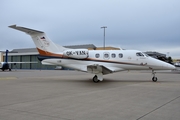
x=96, y=68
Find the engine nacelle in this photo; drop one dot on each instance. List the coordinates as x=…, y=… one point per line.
x=76, y=53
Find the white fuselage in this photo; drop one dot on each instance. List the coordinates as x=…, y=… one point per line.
x=118, y=60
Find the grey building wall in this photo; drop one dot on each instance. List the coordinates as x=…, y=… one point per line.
x=27, y=58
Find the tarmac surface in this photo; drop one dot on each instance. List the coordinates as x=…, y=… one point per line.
x=71, y=95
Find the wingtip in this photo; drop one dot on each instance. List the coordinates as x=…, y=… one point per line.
x=12, y=26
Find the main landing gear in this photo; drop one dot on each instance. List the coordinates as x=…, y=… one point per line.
x=154, y=78
x=98, y=77
x=95, y=79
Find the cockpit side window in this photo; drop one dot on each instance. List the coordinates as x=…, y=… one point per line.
x=139, y=54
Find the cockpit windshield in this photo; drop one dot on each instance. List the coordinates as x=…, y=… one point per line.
x=142, y=54
x=139, y=54
x=146, y=54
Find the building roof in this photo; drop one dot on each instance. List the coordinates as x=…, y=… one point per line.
x=87, y=46
x=156, y=54
x=23, y=50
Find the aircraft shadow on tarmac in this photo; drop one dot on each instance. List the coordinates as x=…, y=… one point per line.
x=106, y=80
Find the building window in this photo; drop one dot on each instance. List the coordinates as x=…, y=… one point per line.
x=120, y=55
x=97, y=55
x=113, y=55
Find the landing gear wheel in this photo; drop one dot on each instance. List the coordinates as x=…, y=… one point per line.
x=154, y=79
x=95, y=79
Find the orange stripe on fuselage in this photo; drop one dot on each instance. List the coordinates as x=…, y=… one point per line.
x=46, y=53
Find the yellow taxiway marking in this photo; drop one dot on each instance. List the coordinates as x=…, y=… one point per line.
x=7, y=78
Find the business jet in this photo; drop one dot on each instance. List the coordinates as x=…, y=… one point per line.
x=97, y=62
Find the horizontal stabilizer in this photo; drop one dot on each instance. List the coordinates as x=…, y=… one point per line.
x=26, y=30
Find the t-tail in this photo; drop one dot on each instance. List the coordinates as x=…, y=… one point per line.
x=43, y=44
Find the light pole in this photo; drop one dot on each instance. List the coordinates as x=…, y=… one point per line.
x=167, y=54
x=104, y=35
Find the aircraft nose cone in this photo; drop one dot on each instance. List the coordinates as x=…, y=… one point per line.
x=169, y=66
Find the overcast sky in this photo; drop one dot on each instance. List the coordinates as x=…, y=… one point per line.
x=146, y=25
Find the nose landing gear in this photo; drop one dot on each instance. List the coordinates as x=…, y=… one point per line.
x=154, y=78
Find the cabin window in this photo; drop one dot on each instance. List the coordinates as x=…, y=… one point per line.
x=139, y=54
x=97, y=55
x=120, y=55
x=106, y=55
x=113, y=55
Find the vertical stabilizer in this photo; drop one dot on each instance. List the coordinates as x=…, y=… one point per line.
x=44, y=45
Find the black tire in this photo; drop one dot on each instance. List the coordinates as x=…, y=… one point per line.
x=95, y=79
x=9, y=69
x=154, y=79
